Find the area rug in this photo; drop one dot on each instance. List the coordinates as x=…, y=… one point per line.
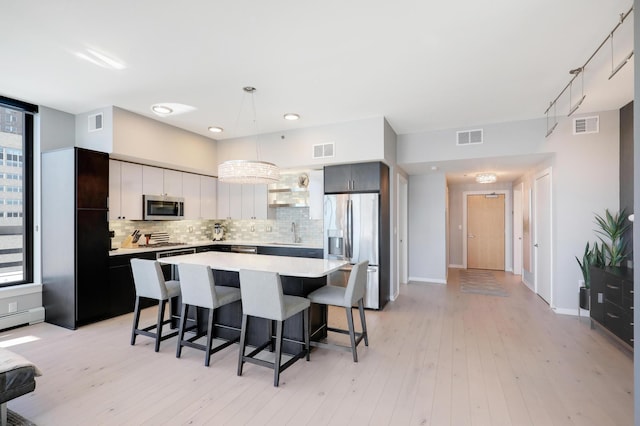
x=477, y=281
x=15, y=419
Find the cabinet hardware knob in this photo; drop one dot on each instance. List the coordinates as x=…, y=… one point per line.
x=631, y=291
x=631, y=340
x=612, y=316
x=614, y=287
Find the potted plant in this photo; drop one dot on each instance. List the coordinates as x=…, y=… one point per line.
x=593, y=256
x=610, y=252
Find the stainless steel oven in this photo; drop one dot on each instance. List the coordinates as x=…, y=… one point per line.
x=176, y=252
x=158, y=207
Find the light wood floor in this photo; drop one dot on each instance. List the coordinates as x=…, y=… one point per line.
x=437, y=356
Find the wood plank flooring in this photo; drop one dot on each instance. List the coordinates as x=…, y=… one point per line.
x=437, y=356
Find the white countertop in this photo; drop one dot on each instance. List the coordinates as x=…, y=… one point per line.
x=151, y=247
x=284, y=265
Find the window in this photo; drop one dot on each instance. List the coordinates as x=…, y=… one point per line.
x=16, y=206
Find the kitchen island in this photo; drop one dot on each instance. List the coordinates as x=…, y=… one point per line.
x=300, y=276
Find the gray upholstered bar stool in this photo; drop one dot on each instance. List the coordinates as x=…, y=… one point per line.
x=199, y=289
x=346, y=297
x=150, y=283
x=262, y=297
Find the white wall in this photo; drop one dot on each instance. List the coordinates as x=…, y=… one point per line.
x=100, y=140
x=355, y=142
x=585, y=181
x=427, y=228
x=57, y=129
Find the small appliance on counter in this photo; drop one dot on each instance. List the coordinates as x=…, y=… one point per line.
x=218, y=232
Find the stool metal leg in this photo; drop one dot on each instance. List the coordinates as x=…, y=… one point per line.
x=161, y=306
x=276, y=364
x=136, y=321
x=352, y=334
x=183, y=324
x=306, y=333
x=243, y=341
x=207, y=356
x=364, y=322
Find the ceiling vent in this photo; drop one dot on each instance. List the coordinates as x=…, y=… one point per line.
x=324, y=150
x=469, y=137
x=95, y=122
x=585, y=125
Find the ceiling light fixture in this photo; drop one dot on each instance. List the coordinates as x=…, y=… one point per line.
x=291, y=116
x=580, y=71
x=486, y=178
x=614, y=70
x=249, y=171
x=161, y=109
x=215, y=129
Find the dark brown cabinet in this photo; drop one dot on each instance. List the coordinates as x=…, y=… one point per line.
x=362, y=177
x=75, y=236
x=612, y=301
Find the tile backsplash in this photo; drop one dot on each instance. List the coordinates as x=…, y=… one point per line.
x=266, y=231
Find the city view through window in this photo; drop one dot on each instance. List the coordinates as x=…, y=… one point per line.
x=12, y=197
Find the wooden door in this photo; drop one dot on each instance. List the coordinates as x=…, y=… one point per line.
x=485, y=231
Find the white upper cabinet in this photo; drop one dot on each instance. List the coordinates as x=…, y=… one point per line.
x=254, y=201
x=229, y=200
x=208, y=197
x=192, y=195
x=223, y=200
x=152, y=180
x=173, y=183
x=125, y=190
x=158, y=181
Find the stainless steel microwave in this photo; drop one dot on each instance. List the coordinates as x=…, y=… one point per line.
x=158, y=207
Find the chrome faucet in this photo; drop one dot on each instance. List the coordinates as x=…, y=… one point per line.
x=296, y=239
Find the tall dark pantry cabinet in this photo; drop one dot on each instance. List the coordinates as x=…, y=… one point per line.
x=75, y=236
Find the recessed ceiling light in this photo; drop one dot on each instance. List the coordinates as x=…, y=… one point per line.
x=161, y=109
x=164, y=109
x=214, y=129
x=291, y=116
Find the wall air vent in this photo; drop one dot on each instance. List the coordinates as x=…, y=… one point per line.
x=469, y=137
x=324, y=150
x=95, y=122
x=584, y=125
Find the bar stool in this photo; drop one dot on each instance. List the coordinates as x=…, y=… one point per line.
x=346, y=298
x=150, y=283
x=199, y=289
x=262, y=297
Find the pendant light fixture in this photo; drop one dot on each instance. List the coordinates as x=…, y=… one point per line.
x=249, y=171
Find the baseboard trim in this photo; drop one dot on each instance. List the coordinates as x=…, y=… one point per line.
x=528, y=284
x=456, y=266
x=567, y=311
x=32, y=316
x=427, y=280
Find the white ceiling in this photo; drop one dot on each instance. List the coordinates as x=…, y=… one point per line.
x=422, y=65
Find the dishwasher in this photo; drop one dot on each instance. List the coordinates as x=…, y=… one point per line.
x=173, y=269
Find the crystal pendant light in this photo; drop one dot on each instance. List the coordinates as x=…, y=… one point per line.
x=248, y=171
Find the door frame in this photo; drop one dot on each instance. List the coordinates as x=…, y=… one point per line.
x=518, y=225
x=402, y=234
x=547, y=171
x=507, y=224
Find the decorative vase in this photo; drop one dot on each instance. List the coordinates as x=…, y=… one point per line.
x=584, y=298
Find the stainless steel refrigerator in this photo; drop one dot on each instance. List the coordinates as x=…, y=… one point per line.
x=351, y=232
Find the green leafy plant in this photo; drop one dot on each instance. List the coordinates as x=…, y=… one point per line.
x=612, y=229
x=592, y=256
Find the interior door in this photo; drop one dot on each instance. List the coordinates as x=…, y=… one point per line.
x=485, y=231
x=542, y=239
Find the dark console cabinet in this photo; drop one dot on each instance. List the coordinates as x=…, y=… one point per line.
x=362, y=177
x=612, y=301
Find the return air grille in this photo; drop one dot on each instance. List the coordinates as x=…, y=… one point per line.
x=95, y=122
x=469, y=137
x=324, y=150
x=585, y=125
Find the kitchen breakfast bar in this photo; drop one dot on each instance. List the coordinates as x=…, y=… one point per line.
x=300, y=276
